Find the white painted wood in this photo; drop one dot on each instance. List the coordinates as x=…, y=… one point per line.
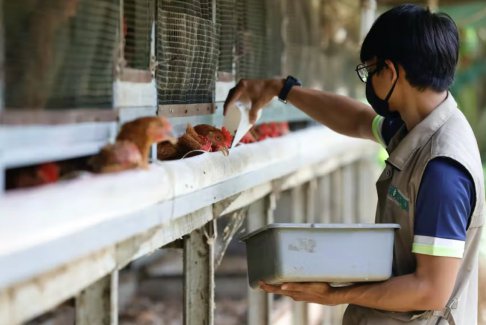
x=134, y=94
x=94, y=304
x=240, y=200
x=199, y=276
x=259, y=214
x=31, y=298
x=311, y=198
x=324, y=199
x=127, y=114
x=348, y=194
x=28, y=145
x=336, y=197
x=300, y=313
x=114, y=294
x=135, y=212
x=6, y=308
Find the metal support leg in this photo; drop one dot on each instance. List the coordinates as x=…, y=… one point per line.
x=199, y=276
x=98, y=303
x=260, y=214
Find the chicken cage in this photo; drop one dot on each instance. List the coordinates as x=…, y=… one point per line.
x=77, y=65
x=59, y=54
x=187, y=52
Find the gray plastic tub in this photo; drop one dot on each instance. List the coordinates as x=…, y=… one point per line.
x=336, y=253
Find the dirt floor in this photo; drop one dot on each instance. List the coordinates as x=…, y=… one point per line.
x=145, y=311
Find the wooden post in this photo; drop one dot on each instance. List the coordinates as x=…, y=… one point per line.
x=259, y=214
x=199, y=275
x=324, y=199
x=98, y=303
x=348, y=194
x=300, y=313
x=324, y=210
x=365, y=190
x=336, y=196
x=311, y=215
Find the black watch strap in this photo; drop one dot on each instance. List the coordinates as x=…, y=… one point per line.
x=288, y=84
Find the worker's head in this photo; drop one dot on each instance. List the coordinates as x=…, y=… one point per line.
x=412, y=44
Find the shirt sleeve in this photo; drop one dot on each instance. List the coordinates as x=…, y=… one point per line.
x=385, y=128
x=444, y=205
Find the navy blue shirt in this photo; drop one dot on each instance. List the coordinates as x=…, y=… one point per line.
x=444, y=204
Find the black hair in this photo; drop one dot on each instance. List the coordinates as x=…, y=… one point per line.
x=425, y=44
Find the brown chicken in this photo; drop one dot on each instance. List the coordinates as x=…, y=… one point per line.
x=121, y=155
x=220, y=138
x=187, y=143
x=32, y=176
x=145, y=131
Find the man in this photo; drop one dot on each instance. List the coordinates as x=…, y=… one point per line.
x=432, y=184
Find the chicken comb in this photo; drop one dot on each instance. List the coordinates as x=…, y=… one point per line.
x=49, y=172
x=227, y=136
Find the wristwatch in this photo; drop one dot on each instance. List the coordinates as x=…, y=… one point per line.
x=288, y=84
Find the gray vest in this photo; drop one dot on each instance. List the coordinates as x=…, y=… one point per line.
x=443, y=133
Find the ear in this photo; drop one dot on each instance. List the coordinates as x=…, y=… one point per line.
x=393, y=70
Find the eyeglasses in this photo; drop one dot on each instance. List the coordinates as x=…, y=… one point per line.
x=364, y=72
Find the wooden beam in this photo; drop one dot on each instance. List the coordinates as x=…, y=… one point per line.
x=179, y=110
x=199, y=276
x=97, y=304
x=31, y=298
x=16, y=116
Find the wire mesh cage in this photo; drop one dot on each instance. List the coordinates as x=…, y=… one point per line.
x=187, y=52
x=274, y=44
x=137, y=29
x=59, y=53
x=250, y=43
x=226, y=19
x=259, y=43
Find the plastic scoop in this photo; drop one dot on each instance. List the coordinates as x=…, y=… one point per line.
x=237, y=121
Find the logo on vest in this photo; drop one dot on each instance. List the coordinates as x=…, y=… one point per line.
x=396, y=196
